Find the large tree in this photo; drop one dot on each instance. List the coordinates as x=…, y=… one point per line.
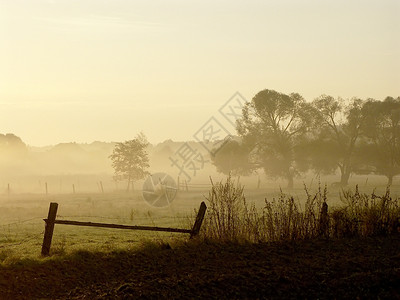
x=336, y=136
x=233, y=157
x=130, y=159
x=382, y=130
x=274, y=124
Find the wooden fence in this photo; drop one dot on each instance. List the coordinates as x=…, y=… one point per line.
x=51, y=221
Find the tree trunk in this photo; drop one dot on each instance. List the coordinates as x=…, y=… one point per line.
x=390, y=179
x=129, y=184
x=344, y=178
x=290, y=179
x=345, y=172
x=290, y=182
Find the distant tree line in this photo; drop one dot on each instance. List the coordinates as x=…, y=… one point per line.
x=285, y=136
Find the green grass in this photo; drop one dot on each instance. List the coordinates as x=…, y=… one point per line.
x=254, y=219
x=22, y=225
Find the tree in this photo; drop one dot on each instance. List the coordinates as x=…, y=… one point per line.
x=233, y=158
x=130, y=159
x=12, y=144
x=14, y=154
x=382, y=130
x=335, y=140
x=274, y=125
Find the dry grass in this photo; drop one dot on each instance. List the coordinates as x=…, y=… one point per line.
x=231, y=218
x=365, y=215
x=226, y=203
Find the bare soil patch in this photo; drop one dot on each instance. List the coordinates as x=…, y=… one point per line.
x=325, y=269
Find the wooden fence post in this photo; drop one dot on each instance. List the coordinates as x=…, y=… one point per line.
x=101, y=187
x=47, y=191
x=49, y=228
x=199, y=220
x=324, y=221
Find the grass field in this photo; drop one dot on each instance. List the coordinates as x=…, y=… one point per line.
x=99, y=263
x=22, y=225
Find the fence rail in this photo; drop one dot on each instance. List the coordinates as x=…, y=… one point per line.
x=118, y=226
x=52, y=215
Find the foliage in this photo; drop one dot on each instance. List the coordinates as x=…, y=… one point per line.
x=382, y=130
x=130, y=159
x=233, y=157
x=11, y=146
x=273, y=124
x=284, y=136
x=335, y=140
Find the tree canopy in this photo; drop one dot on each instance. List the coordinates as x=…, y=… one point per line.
x=335, y=138
x=130, y=159
x=233, y=157
x=382, y=131
x=284, y=135
x=274, y=124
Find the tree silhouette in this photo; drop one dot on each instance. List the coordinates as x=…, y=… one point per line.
x=274, y=125
x=382, y=131
x=130, y=159
x=339, y=129
x=233, y=158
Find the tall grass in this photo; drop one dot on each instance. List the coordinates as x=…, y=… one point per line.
x=230, y=217
x=284, y=219
x=226, y=203
x=365, y=215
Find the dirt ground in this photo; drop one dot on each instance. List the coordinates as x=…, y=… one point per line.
x=347, y=268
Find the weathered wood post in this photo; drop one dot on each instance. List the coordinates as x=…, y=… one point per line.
x=199, y=220
x=324, y=221
x=47, y=191
x=49, y=228
x=8, y=190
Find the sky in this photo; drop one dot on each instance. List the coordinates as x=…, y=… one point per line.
x=91, y=70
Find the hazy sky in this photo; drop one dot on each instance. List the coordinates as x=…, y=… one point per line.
x=104, y=70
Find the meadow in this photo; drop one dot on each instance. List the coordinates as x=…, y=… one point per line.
x=262, y=242
x=22, y=225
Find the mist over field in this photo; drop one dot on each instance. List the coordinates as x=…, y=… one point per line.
x=199, y=150
x=27, y=168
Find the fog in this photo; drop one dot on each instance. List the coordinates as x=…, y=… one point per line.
x=199, y=149
x=27, y=169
